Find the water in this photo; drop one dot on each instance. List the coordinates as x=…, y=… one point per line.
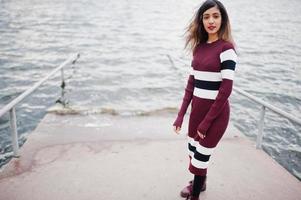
x=124, y=66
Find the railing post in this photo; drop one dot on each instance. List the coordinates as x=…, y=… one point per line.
x=63, y=101
x=14, y=131
x=260, y=128
x=62, y=75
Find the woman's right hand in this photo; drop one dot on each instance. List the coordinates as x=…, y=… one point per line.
x=177, y=129
x=177, y=125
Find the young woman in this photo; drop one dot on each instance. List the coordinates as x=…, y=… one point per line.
x=208, y=88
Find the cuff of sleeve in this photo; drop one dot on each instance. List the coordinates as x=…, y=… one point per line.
x=178, y=122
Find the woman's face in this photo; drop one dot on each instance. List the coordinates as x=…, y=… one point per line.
x=212, y=20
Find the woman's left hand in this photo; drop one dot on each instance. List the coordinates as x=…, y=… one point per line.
x=202, y=135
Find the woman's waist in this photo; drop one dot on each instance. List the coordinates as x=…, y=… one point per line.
x=205, y=103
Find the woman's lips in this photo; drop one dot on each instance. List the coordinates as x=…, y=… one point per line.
x=211, y=27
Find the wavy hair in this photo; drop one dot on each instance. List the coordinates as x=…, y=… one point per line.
x=196, y=33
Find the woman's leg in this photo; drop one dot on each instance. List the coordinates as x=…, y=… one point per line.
x=201, y=149
x=197, y=185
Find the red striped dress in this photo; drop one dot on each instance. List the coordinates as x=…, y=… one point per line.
x=208, y=89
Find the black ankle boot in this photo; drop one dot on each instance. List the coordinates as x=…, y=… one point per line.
x=186, y=191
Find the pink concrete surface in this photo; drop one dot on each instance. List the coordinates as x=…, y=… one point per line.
x=110, y=157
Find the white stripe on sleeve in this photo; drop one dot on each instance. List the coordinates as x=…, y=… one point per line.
x=228, y=55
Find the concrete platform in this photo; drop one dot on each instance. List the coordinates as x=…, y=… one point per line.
x=112, y=157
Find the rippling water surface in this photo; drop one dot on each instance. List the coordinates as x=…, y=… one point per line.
x=124, y=65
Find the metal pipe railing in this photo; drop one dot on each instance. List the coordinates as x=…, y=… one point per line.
x=10, y=107
x=262, y=114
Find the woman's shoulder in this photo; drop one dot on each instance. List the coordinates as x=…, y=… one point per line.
x=226, y=45
x=228, y=51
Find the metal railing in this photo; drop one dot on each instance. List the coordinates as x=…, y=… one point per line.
x=265, y=105
x=11, y=107
x=12, y=111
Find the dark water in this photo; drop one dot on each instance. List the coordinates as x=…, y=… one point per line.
x=124, y=68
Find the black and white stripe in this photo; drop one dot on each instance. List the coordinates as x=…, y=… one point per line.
x=207, y=84
x=228, y=61
x=199, y=154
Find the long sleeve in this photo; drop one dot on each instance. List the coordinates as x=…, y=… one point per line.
x=228, y=59
x=186, y=101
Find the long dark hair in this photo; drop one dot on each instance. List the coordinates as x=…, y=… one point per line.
x=196, y=33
